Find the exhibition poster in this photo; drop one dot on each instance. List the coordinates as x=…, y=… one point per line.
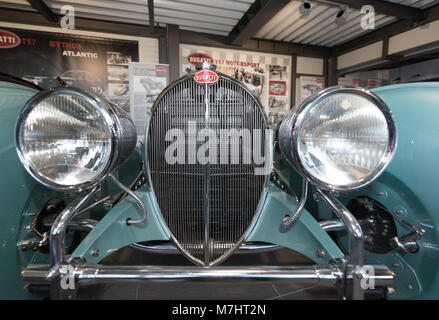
x=310, y=85
x=147, y=81
x=266, y=75
x=97, y=65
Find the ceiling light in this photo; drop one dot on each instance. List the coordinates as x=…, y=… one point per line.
x=342, y=16
x=305, y=7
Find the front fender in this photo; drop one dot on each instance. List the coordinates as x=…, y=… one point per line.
x=408, y=188
x=413, y=175
x=15, y=188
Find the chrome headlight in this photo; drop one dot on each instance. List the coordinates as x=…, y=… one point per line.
x=339, y=139
x=68, y=139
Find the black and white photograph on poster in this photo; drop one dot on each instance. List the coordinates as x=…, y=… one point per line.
x=118, y=58
x=258, y=71
x=118, y=89
x=80, y=61
x=254, y=78
x=278, y=72
x=84, y=79
x=147, y=81
x=277, y=103
x=275, y=117
x=117, y=73
x=151, y=85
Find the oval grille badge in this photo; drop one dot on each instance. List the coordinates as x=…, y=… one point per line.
x=8, y=39
x=206, y=76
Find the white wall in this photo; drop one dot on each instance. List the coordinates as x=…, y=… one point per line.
x=307, y=65
x=414, y=38
x=364, y=54
x=148, y=47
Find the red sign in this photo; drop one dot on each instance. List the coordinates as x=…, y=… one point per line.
x=206, y=76
x=199, y=58
x=278, y=88
x=8, y=40
x=160, y=70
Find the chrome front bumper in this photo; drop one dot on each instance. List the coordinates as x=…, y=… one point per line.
x=330, y=275
x=335, y=275
x=348, y=273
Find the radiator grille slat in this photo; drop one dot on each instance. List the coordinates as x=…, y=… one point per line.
x=207, y=207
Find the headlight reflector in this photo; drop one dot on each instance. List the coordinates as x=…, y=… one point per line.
x=340, y=139
x=68, y=139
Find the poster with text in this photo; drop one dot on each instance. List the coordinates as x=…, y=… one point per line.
x=374, y=83
x=147, y=81
x=309, y=86
x=345, y=82
x=267, y=75
x=350, y=82
x=97, y=65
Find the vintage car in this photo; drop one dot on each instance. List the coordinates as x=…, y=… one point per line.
x=348, y=179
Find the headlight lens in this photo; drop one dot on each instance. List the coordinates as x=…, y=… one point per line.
x=342, y=138
x=67, y=139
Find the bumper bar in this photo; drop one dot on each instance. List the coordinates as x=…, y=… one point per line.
x=330, y=275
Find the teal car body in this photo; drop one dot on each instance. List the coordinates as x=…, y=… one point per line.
x=408, y=189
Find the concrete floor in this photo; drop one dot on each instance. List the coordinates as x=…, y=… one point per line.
x=206, y=291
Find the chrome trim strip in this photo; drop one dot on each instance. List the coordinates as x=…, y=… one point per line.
x=169, y=248
x=206, y=182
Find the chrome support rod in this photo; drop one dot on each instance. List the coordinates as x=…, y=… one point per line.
x=332, y=225
x=356, y=240
x=325, y=275
x=59, y=227
x=75, y=224
x=135, y=197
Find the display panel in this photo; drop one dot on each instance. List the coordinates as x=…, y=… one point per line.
x=97, y=65
x=266, y=75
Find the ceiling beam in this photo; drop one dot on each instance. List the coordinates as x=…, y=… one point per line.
x=151, y=14
x=259, y=13
x=44, y=10
x=388, y=8
x=257, y=45
x=432, y=14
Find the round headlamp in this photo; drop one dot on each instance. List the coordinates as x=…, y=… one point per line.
x=68, y=139
x=339, y=139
